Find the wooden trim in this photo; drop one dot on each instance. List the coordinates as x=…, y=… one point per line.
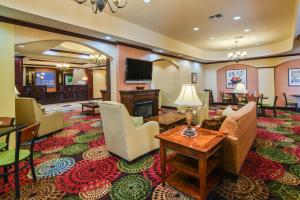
x=255, y=58
x=53, y=30
x=108, y=79
x=69, y=52
x=56, y=61
x=133, y=46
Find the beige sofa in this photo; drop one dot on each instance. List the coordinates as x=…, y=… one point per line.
x=122, y=137
x=241, y=128
x=202, y=112
x=28, y=112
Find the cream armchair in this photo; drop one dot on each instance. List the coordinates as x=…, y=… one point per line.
x=29, y=112
x=122, y=137
x=202, y=112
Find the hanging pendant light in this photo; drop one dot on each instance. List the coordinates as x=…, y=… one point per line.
x=99, y=5
x=236, y=55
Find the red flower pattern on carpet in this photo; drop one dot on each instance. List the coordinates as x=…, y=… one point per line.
x=53, y=143
x=265, y=134
x=262, y=168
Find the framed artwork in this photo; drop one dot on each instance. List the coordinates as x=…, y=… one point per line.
x=294, y=77
x=236, y=76
x=194, y=77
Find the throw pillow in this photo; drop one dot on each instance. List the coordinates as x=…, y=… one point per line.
x=228, y=111
x=213, y=124
x=137, y=121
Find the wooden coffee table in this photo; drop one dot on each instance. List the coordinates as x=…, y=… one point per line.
x=198, y=162
x=169, y=120
x=91, y=106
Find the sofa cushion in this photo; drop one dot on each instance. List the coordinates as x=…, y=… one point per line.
x=213, y=124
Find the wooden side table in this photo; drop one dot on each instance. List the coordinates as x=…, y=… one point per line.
x=198, y=163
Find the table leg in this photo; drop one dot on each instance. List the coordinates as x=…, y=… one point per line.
x=162, y=151
x=202, y=177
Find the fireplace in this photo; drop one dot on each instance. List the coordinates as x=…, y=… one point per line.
x=140, y=102
x=144, y=109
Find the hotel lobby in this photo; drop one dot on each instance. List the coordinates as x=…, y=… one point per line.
x=149, y=99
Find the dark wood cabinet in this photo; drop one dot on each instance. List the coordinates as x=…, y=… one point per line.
x=63, y=93
x=132, y=97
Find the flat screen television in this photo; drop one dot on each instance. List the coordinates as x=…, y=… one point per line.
x=138, y=71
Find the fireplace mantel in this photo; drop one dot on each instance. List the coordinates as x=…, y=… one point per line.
x=130, y=97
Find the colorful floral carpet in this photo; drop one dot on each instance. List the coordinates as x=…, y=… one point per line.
x=75, y=164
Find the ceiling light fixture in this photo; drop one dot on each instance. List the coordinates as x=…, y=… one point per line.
x=63, y=66
x=196, y=29
x=212, y=38
x=99, y=5
x=236, y=55
x=147, y=1
x=236, y=18
x=247, y=30
x=21, y=46
x=98, y=60
x=108, y=38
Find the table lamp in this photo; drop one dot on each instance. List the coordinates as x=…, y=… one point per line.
x=240, y=89
x=189, y=98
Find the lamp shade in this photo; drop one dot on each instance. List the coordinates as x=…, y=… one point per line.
x=240, y=89
x=188, y=96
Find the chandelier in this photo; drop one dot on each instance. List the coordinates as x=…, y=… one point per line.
x=236, y=55
x=98, y=60
x=63, y=66
x=99, y=5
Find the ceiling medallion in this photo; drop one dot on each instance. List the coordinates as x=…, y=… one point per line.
x=99, y=5
x=236, y=55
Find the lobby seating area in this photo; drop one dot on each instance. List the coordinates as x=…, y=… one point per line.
x=150, y=100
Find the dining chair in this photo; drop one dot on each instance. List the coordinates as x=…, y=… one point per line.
x=6, y=122
x=290, y=103
x=9, y=158
x=225, y=99
x=270, y=106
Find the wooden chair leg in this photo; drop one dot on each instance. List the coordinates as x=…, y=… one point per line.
x=17, y=181
x=5, y=174
x=32, y=168
x=275, y=113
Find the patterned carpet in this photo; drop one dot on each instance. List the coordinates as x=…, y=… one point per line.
x=75, y=164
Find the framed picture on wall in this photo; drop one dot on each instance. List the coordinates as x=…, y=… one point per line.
x=294, y=77
x=236, y=76
x=194, y=77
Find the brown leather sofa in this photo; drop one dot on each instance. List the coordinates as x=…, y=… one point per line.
x=241, y=128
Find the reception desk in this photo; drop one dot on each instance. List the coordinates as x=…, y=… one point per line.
x=67, y=93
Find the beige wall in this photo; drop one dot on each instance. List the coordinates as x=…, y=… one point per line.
x=98, y=82
x=78, y=74
x=266, y=84
x=7, y=80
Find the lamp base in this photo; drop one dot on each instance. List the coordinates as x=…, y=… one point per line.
x=189, y=132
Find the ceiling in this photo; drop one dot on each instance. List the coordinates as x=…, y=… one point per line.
x=52, y=52
x=270, y=21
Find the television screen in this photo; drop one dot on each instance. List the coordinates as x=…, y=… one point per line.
x=46, y=78
x=138, y=71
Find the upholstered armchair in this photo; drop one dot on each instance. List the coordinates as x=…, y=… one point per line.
x=29, y=112
x=122, y=137
x=202, y=112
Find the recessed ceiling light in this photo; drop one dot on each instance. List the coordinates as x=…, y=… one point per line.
x=21, y=46
x=247, y=30
x=212, y=38
x=196, y=28
x=147, y=1
x=236, y=18
x=108, y=37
